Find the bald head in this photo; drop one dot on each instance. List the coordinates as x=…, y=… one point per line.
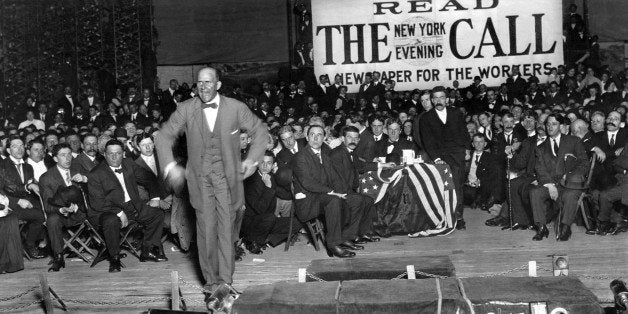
x=579, y=128
x=208, y=83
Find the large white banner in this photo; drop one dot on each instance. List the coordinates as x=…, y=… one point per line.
x=425, y=43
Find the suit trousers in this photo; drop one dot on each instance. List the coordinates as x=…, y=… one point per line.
x=267, y=228
x=55, y=224
x=607, y=198
x=150, y=218
x=541, y=202
x=520, y=198
x=35, y=220
x=331, y=207
x=217, y=228
x=362, y=214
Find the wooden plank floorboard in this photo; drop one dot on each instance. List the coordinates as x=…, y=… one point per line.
x=478, y=251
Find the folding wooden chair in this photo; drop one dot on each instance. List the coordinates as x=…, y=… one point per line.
x=83, y=240
x=124, y=244
x=315, y=227
x=584, y=200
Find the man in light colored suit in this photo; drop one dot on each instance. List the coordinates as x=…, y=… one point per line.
x=214, y=171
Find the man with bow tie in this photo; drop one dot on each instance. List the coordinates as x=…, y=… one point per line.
x=66, y=215
x=115, y=202
x=212, y=124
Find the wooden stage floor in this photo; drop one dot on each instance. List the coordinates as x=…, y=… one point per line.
x=478, y=251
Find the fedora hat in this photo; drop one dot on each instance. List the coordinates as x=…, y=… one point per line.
x=574, y=182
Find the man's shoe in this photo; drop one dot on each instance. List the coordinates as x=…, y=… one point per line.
x=337, y=251
x=358, y=240
x=159, y=254
x=542, y=232
x=351, y=246
x=114, y=264
x=496, y=222
x=383, y=234
x=565, y=232
x=601, y=228
x=461, y=225
x=57, y=263
x=148, y=256
x=369, y=238
x=34, y=253
x=254, y=248
x=619, y=227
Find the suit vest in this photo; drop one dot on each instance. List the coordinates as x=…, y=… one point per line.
x=213, y=167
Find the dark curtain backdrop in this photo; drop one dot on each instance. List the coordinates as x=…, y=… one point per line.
x=607, y=19
x=221, y=31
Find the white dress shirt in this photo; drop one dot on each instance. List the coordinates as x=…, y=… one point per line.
x=150, y=161
x=211, y=114
x=557, y=140
x=442, y=115
x=39, y=168
x=120, y=177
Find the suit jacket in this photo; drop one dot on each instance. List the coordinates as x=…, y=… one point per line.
x=259, y=198
x=12, y=185
x=64, y=103
x=83, y=165
x=486, y=171
x=620, y=165
x=189, y=119
x=311, y=178
x=550, y=168
x=524, y=160
x=537, y=99
x=367, y=92
x=285, y=156
x=557, y=99
x=380, y=146
x=157, y=177
x=441, y=140
x=604, y=141
x=140, y=120
x=270, y=100
x=105, y=191
x=347, y=166
x=499, y=145
x=49, y=182
x=366, y=146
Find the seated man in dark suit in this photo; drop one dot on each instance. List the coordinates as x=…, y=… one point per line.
x=559, y=157
x=481, y=181
x=394, y=147
x=17, y=182
x=89, y=158
x=260, y=226
x=608, y=219
x=347, y=165
x=115, y=200
x=59, y=214
x=290, y=146
x=313, y=176
x=379, y=137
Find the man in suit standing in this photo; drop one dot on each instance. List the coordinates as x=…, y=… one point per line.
x=445, y=140
x=90, y=100
x=365, y=148
x=67, y=103
x=314, y=195
x=558, y=157
x=58, y=177
x=115, y=201
x=215, y=172
x=89, y=158
x=19, y=185
x=168, y=105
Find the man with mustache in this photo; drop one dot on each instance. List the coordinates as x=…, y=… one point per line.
x=614, y=139
x=89, y=158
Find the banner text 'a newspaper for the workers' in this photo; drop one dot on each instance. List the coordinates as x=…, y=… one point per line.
x=424, y=43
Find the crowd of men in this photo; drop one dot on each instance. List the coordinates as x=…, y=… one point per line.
x=532, y=145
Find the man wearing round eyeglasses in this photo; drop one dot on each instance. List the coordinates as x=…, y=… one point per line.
x=444, y=138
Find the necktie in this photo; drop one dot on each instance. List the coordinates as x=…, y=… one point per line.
x=508, y=139
x=209, y=105
x=612, y=140
x=555, y=144
x=477, y=159
x=68, y=182
x=319, y=157
x=19, y=170
x=488, y=133
x=119, y=170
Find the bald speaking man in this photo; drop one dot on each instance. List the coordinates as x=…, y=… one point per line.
x=215, y=172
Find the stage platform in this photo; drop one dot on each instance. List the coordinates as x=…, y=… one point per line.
x=478, y=251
